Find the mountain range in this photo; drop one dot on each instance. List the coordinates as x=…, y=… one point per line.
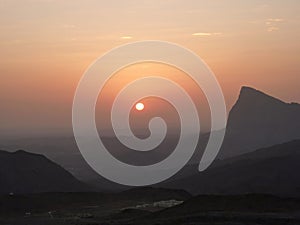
x=256, y=121
x=272, y=170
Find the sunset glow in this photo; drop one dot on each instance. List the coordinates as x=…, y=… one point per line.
x=47, y=45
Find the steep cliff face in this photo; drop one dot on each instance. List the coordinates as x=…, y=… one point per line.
x=258, y=120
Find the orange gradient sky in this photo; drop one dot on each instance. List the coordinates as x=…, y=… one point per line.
x=46, y=45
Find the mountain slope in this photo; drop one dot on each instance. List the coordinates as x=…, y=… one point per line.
x=271, y=170
x=258, y=120
x=23, y=172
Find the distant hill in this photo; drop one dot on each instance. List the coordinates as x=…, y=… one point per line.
x=272, y=170
x=23, y=172
x=258, y=120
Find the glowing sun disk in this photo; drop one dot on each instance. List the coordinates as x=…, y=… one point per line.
x=139, y=106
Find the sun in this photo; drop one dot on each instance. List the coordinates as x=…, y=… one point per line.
x=139, y=106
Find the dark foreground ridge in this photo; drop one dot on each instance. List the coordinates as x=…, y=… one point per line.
x=23, y=172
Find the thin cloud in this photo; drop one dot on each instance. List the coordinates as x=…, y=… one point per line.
x=272, y=24
x=126, y=37
x=206, y=34
x=275, y=20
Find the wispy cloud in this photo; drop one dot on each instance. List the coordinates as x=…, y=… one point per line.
x=275, y=20
x=272, y=24
x=126, y=37
x=206, y=34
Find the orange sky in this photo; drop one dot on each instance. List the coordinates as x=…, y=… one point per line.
x=46, y=45
x=154, y=106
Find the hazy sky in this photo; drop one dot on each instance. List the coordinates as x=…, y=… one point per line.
x=46, y=45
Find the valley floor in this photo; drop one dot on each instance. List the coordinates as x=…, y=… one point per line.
x=131, y=208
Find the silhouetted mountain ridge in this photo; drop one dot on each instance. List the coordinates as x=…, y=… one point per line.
x=258, y=120
x=23, y=172
x=272, y=170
